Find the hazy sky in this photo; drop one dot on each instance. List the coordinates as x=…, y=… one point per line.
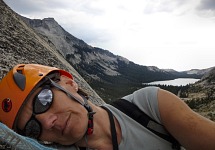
x=175, y=34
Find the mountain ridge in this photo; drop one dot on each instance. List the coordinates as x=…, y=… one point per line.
x=20, y=44
x=101, y=68
x=75, y=40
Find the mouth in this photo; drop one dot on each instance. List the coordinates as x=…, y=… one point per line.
x=66, y=124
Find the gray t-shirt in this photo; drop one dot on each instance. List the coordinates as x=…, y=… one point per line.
x=134, y=135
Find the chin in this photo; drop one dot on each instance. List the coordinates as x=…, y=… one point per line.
x=71, y=140
x=66, y=143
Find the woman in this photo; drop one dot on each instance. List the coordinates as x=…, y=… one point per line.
x=45, y=103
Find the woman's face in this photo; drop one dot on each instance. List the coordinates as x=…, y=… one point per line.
x=65, y=122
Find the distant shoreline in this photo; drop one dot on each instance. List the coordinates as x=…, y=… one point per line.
x=175, y=82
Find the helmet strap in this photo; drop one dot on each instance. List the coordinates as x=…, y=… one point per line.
x=90, y=116
x=90, y=123
x=85, y=104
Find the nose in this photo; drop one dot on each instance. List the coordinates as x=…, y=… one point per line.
x=47, y=121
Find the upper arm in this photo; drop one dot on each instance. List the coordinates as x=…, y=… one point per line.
x=185, y=125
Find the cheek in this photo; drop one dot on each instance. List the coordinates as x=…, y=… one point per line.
x=61, y=106
x=76, y=131
x=60, y=98
x=64, y=102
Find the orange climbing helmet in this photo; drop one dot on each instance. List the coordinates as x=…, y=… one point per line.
x=17, y=85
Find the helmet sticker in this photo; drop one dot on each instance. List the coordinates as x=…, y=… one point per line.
x=6, y=104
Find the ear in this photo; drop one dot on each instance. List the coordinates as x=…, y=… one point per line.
x=63, y=77
x=69, y=81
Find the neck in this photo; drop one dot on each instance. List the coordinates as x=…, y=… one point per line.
x=101, y=138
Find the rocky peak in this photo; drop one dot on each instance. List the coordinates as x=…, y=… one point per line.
x=21, y=44
x=54, y=33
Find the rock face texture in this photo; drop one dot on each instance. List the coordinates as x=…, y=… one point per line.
x=21, y=44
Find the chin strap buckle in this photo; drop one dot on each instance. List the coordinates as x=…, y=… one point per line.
x=90, y=123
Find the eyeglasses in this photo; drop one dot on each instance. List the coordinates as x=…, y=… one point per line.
x=42, y=103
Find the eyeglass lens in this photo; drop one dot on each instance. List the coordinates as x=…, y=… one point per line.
x=41, y=103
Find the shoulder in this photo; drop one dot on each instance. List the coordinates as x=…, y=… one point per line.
x=147, y=101
x=144, y=94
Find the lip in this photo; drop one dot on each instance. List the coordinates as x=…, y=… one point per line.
x=66, y=124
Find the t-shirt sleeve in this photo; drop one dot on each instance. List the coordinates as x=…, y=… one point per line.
x=147, y=101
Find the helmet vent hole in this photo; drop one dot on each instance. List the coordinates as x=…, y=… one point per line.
x=20, y=80
x=20, y=71
x=40, y=74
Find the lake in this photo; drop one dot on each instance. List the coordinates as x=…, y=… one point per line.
x=176, y=82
